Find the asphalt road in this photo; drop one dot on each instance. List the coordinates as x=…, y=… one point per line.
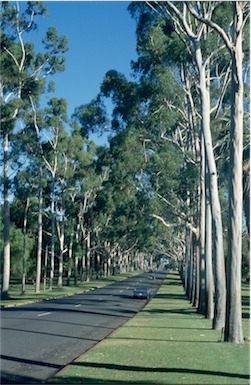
x=38, y=340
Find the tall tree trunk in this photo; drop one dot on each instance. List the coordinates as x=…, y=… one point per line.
x=40, y=231
x=197, y=255
x=109, y=264
x=76, y=256
x=120, y=260
x=233, y=329
x=98, y=266
x=187, y=260
x=202, y=297
x=189, y=267
x=220, y=279
x=76, y=270
x=45, y=265
x=88, y=256
x=107, y=258
x=195, y=269
x=61, y=236
x=52, y=234
x=24, y=247
x=6, y=257
x=83, y=266
x=70, y=254
x=246, y=193
x=209, y=311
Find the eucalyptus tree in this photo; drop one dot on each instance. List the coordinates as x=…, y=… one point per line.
x=88, y=118
x=78, y=155
x=23, y=218
x=23, y=75
x=26, y=183
x=55, y=117
x=165, y=68
x=234, y=43
x=195, y=34
x=80, y=186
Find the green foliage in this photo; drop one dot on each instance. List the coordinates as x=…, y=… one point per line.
x=17, y=250
x=124, y=95
x=92, y=117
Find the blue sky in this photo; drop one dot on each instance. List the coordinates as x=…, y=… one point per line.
x=101, y=36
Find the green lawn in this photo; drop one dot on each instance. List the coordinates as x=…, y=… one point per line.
x=166, y=343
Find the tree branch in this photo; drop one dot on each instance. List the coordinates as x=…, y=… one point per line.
x=213, y=25
x=162, y=220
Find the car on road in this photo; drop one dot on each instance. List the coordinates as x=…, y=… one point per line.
x=141, y=292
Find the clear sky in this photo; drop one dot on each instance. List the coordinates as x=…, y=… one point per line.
x=101, y=36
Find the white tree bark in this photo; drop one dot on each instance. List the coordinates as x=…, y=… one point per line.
x=53, y=216
x=61, y=236
x=70, y=252
x=233, y=327
x=25, y=241
x=208, y=256
x=183, y=26
x=40, y=232
x=233, y=330
x=6, y=261
x=220, y=280
x=88, y=256
x=202, y=283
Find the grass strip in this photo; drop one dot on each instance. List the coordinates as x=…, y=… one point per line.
x=168, y=342
x=16, y=298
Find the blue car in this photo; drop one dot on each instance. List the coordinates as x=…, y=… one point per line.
x=142, y=293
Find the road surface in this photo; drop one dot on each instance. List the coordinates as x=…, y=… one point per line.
x=38, y=340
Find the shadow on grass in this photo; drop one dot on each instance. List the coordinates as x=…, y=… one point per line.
x=164, y=327
x=172, y=278
x=172, y=311
x=171, y=282
x=163, y=340
x=159, y=370
x=245, y=300
x=172, y=296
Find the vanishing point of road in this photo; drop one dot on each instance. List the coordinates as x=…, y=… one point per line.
x=39, y=339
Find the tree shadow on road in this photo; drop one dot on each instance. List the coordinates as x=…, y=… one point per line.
x=10, y=378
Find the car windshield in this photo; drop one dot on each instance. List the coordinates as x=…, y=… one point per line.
x=141, y=289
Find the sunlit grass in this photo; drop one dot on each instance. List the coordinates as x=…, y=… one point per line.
x=166, y=343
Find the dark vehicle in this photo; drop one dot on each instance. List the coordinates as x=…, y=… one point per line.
x=141, y=292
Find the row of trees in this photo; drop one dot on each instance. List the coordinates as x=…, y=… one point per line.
x=160, y=190
x=204, y=41
x=76, y=209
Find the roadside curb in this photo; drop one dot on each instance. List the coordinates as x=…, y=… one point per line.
x=7, y=306
x=42, y=300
